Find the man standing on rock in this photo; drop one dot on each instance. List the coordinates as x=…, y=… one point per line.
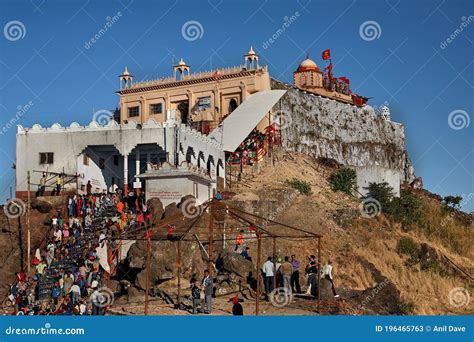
x=326, y=273
x=295, y=276
x=208, y=288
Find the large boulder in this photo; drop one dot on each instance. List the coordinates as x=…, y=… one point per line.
x=42, y=206
x=163, y=256
x=156, y=209
x=382, y=299
x=325, y=288
x=171, y=210
x=234, y=262
x=135, y=295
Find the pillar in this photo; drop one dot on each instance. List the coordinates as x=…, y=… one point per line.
x=137, y=169
x=190, y=103
x=137, y=165
x=125, y=174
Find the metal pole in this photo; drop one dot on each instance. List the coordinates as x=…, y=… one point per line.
x=259, y=252
x=147, y=282
x=223, y=237
x=22, y=264
x=319, y=273
x=28, y=234
x=211, y=237
x=274, y=264
x=178, y=267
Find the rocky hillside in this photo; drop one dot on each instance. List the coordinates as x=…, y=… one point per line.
x=368, y=253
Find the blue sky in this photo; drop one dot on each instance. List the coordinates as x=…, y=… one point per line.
x=408, y=63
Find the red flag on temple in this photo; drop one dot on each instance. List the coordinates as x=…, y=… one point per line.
x=326, y=54
x=329, y=70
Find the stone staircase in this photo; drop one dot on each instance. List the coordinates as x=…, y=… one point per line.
x=76, y=251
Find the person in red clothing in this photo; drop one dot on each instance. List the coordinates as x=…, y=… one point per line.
x=20, y=277
x=237, y=309
x=239, y=240
x=120, y=207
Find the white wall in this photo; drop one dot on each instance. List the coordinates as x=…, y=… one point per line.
x=170, y=190
x=68, y=143
x=92, y=173
x=377, y=174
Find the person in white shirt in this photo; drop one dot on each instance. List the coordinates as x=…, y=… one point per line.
x=326, y=273
x=268, y=271
x=76, y=293
x=58, y=234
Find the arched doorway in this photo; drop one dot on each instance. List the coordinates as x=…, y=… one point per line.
x=232, y=105
x=183, y=110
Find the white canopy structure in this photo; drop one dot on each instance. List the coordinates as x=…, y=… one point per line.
x=238, y=125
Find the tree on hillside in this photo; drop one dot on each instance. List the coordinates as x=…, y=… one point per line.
x=452, y=202
x=382, y=192
x=406, y=209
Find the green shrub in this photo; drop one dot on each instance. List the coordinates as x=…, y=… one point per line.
x=343, y=180
x=382, y=192
x=433, y=266
x=300, y=185
x=406, y=210
x=407, y=246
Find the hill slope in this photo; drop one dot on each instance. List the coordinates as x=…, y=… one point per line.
x=362, y=249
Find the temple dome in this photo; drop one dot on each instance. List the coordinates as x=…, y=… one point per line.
x=308, y=65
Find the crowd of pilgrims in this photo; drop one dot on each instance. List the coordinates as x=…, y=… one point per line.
x=74, y=263
x=247, y=151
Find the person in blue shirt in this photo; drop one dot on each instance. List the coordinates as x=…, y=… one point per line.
x=245, y=254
